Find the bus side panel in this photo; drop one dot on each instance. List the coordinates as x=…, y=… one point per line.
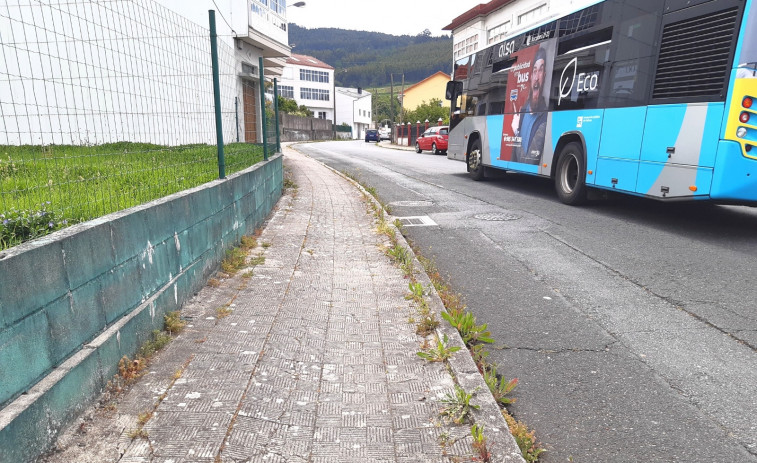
x=622, y=132
x=478, y=124
x=678, y=150
x=494, y=140
x=456, y=142
x=735, y=176
x=620, y=148
x=587, y=123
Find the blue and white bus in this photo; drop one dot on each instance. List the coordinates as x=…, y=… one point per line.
x=653, y=98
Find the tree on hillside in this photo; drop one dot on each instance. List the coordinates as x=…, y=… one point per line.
x=382, y=108
x=366, y=59
x=430, y=111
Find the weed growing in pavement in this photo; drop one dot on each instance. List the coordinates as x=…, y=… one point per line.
x=384, y=229
x=403, y=257
x=439, y=353
x=172, y=323
x=223, y=312
x=143, y=418
x=479, y=443
x=265, y=244
x=525, y=439
x=427, y=324
x=158, y=341
x=129, y=370
x=499, y=386
x=214, y=283
x=248, y=242
x=289, y=184
x=457, y=405
x=416, y=291
x=234, y=261
x=138, y=433
x=479, y=354
x=465, y=323
x=247, y=275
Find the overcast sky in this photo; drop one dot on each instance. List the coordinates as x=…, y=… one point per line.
x=396, y=17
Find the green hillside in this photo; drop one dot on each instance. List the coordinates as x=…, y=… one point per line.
x=366, y=59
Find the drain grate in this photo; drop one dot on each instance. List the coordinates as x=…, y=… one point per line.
x=417, y=221
x=411, y=203
x=494, y=217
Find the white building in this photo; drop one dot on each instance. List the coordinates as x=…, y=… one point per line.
x=489, y=23
x=353, y=107
x=310, y=82
x=256, y=29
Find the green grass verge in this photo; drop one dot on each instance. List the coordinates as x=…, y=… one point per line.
x=46, y=188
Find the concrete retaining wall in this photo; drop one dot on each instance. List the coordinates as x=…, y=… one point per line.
x=76, y=301
x=297, y=128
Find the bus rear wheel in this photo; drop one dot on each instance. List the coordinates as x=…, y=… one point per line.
x=475, y=162
x=570, y=175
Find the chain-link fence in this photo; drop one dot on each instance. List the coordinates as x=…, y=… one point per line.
x=106, y=105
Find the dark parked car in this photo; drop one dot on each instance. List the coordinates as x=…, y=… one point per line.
x=372, y=135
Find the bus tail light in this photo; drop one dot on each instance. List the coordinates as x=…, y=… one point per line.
x=741, y=132
x=747, y=102
x=744, y=118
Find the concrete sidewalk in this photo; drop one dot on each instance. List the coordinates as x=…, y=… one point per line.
x=316, y=361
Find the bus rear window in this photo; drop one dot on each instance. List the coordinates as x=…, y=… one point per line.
x=749, y=41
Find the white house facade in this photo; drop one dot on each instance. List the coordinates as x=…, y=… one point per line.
x=353, y=107
x=255, y=29
x=310, y=82
x=489, y=23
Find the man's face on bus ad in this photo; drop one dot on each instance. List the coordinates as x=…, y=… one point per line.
x=537, y=80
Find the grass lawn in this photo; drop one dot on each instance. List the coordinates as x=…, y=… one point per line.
x=46, y=188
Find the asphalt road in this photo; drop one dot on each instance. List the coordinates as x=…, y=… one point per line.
x=630, y=324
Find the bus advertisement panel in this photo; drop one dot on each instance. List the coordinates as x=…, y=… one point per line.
x=528, y=83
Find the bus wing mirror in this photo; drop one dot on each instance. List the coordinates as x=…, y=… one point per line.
x=454, y=88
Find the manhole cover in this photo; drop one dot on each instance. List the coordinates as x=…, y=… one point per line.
x=412, y=203
x=496, y=217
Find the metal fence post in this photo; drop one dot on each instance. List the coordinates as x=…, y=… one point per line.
x=217, y=93
x=276, y=113
x=236, y=115
x=262, y=106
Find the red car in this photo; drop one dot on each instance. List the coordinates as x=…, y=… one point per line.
x=434, y=139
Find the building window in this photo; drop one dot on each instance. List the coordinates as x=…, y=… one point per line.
x=314, y=76
x=287, y=91
x=497, y=33
x=279, y=6
x=532, y=15
x=314, y=94
x=321, y=114
x=467, y=46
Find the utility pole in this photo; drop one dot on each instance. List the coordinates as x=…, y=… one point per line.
x=402, y=100
x=391, y=99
